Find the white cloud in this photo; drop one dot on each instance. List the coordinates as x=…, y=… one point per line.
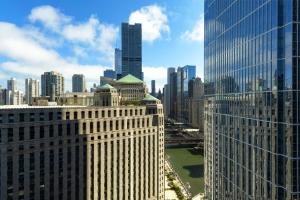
x=197, y=33
x=28, y=57
x=92, y=35
x=84, y=32
x=106, y=41
x=158, y=74
x=49, y=16
x=154, y=21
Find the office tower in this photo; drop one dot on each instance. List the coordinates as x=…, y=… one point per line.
x=12, y=84
x=78, y=83
x=32, y=89
x=118, y=62
x=252, y=99
x=109, y=73
x=97, y=152
x=153, y=90
x=167, y=93
x=184, y=75
x=52, y=84
x=105, y=80
x=196, y=103
x=132, y=50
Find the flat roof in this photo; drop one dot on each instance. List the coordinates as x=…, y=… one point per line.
x=25, y=106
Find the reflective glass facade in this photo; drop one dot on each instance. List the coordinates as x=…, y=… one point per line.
x=252, y=112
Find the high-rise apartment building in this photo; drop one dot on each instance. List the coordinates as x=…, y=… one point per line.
x=32, y=89
x=78, y=152
x=132, y=50
x=52, y=84
x=78, y=83
x=252, y=78
x=153, y=90
x=13, y=95
x=118, y=62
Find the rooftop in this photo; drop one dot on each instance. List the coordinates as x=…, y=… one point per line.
x=129, y=79
x=106, y=86
x=25, y=106
x=150, y=98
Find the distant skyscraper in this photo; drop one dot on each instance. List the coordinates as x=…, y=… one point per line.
x=2, y=96
x=132, y=50
x=32, y=89
x=184, y=75
x=118, y=61
x=109, y=73
x=52, y=84
x=153, y=90
x=78, y=83
x=12, y=84
x=13, y=95
x=252, y=79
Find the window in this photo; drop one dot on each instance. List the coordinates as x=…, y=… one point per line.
x=83, y=127
x=67, y=115
x=21, y=117
x=109, y=113
x=59, y=115
x=31, y=117
x=68, y=129
x=96, y=114
x=42, y=116
x=42, y=132
x=60, y=130
x=31, y=132
x=82, y=114
x=50, y=116
x=10, y=118
x=10, y=134
x=21, y=133
x=90, y=114
x=76, y=129
x=98, y=126
x=75, y=115
x=1, y=118
x=51, y=131
x=91, y=127
x=103, y=113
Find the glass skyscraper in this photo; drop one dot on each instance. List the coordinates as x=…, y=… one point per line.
x=184, y=75
x=252, y=112
x=132, y=50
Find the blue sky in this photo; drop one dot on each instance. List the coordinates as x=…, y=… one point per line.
x=69, y=37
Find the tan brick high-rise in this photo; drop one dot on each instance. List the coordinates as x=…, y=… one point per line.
x=77, y=152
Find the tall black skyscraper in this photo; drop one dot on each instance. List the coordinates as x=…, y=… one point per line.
x=252, y=112
x=132, y=50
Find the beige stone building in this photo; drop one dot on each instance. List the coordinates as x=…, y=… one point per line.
x=77, y=152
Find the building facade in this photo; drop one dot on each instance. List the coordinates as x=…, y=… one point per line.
x=78, y=83
x=132, y=50
x=184, y=75
x=109, y=73
x=32, y=89
x=52, y=84
x=153, y=89
x=252, y=141
x=118, y=62
x=196, y=104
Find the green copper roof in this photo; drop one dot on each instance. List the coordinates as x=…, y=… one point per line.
x=106, y=86
x=150, y=98
x=129, y=79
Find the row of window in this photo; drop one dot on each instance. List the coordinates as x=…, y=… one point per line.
x=49, y=116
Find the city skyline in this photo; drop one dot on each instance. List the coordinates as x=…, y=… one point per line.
x=72, y=52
